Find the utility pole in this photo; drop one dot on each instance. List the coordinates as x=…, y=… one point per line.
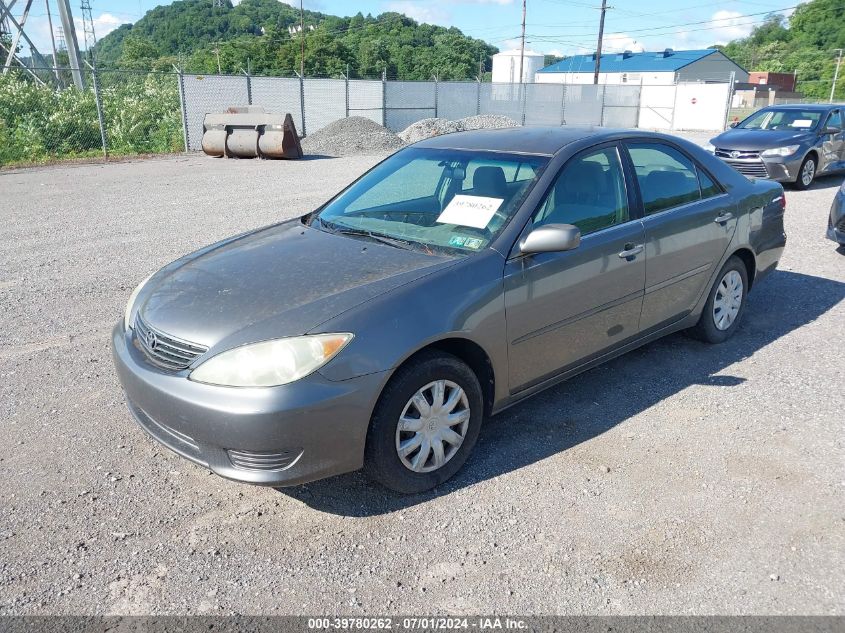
x=69, y=27
x=598, y=45
x=217, y=53
x=301, y=40
x=836, y=73
x=522, y=46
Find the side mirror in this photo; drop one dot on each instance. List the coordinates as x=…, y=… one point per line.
x=551, y=238
x=733, y=123
x=831, y=130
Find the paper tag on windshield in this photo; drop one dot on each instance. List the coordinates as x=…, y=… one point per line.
x=474, y=211
x=802, y=123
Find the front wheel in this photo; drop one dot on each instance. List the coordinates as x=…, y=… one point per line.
x=425, y=424
x=725, y=305
x=807, y=173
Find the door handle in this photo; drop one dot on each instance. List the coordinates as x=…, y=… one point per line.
x=724, y=218
x=631, y=251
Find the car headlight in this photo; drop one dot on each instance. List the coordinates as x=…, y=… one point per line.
x=270, y=363
x=130, y=304
x=709, y=147
x=780, y=151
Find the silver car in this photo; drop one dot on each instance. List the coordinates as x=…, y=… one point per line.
x=456, y=278
x=789, y=143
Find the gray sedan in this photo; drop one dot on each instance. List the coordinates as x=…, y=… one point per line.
x=456, y=278
x=788, y=143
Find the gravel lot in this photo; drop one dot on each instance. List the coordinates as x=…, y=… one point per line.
x=681, y=478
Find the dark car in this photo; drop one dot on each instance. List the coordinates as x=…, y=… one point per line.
x=836, y=219
x=454, y=279
x=788, y=143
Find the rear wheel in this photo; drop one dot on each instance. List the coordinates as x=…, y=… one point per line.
x=425, y=424
x=807, y=173
x=725, y=304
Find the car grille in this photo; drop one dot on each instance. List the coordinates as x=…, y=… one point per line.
x=248, y=460
x=163, y=350
x=748, y=163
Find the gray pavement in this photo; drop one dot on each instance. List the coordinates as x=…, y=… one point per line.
x=681, y=478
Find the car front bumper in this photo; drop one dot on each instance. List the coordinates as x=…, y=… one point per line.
x=778, y=168
x=784, y=169
x=275, y=436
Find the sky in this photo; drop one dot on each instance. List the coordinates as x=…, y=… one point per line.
x=558, y=27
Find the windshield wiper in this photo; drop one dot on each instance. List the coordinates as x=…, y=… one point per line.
x=378, y=237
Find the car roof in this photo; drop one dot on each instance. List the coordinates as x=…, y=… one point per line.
x=540, y=140
x=821, y=107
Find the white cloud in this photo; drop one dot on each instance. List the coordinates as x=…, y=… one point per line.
x=419, y=12
x=312, y=5
x=724, y=26
x=620, y=42
x=104, y=24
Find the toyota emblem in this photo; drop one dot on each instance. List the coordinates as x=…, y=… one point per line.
x=151, y=340
x=735, y=154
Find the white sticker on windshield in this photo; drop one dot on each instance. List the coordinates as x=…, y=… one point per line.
x=802, y=123
x=474, y=211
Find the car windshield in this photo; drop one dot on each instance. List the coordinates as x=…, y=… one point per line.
x=435, y=200
x=786, y=119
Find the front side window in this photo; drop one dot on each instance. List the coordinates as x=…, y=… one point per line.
x=434, y=200
x=786, y=119
x=589, y=192
x=666, y=177
x=835, y=119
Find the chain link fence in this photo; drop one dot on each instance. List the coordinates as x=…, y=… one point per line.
x=118, y=113
x=133, y=112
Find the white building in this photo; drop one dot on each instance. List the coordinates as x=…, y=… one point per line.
x=506, y=66
x=649, y=69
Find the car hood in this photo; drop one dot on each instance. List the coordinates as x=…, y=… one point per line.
x=759, y=139
x=280, y=281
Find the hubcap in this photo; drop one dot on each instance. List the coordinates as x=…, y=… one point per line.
x=432, y=426
x=808, y=172
x=728, y=300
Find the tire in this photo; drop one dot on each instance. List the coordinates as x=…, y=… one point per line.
x=713, y=326
x=800, y=183
x=382, y=461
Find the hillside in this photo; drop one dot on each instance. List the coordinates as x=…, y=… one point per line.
x=804, y=43
x=254, y=34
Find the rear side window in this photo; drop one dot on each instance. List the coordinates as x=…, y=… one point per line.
x=666, y=177
x=708, y=187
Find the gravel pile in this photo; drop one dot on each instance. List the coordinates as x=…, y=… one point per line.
x=487, y=122
x=435, y=127
x=350, y=136
x=426, y=128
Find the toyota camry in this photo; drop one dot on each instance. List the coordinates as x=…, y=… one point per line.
x=456, y=278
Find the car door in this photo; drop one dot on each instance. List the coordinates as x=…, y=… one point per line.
x=689, y=221
x=833, y=145
x=565, y=307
